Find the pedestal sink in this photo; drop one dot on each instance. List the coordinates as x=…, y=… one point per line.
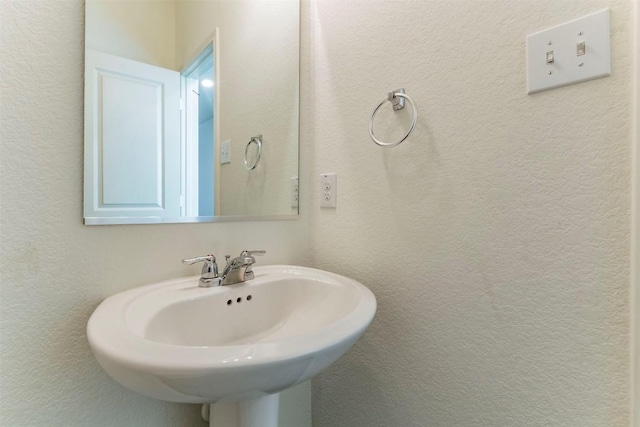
x=239, y=344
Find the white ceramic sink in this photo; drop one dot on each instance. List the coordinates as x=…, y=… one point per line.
x=178, y=342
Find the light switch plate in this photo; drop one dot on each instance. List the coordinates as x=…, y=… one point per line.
x=225, y=152
x=581, y=51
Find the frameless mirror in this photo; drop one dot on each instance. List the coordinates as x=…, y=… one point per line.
x=191, y=110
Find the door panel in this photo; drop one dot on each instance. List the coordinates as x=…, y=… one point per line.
x=132, y=134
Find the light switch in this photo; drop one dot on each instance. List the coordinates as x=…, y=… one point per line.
x=550, y=57
x=573, y=52
x=225, y=152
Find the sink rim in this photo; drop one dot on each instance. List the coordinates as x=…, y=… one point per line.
x=110, y=336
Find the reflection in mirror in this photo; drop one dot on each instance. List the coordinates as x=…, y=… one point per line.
x=198, y=92
x=175, y=92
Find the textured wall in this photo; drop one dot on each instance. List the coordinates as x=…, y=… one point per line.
x=144, y=31
x=496, y=239
x=635, y=231
x=55, y=271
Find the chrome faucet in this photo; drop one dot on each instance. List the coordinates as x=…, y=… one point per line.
x=209, y=275
x=237, y=270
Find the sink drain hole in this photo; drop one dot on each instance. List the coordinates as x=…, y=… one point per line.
x=239, y=300
x=229, y=302
x=249, y=297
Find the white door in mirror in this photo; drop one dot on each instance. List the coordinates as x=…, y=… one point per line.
x=131, y=108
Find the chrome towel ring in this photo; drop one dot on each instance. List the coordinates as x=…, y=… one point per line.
x=396, y=98
x=258, y=141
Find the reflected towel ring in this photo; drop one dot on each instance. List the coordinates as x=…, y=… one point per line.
x=258, y=141
x=396, y=98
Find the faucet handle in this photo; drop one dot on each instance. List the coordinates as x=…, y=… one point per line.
x=249, y=260
x=209, y=270
x=207, y=259
x=250, y=253
x=247, y=256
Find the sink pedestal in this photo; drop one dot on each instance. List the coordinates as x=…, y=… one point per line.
x=260, y=412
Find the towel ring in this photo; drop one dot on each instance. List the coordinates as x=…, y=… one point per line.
x=396, y=98
x=258, y=141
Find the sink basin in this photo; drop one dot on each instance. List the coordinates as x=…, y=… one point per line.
x=178, y=342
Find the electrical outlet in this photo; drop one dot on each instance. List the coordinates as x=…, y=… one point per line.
x=295, y=193
x=329, y=190
x=225, y=152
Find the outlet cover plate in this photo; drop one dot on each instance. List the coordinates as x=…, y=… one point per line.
x=328, y=190
x=295, y=192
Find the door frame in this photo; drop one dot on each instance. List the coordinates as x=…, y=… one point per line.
x=214, y=40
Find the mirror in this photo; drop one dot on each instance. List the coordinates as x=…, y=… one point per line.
x=191, y=110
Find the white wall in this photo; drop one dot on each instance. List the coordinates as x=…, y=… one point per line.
x=496, y=238
x=55, y=271
x=635, y=226
x=142, y=30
